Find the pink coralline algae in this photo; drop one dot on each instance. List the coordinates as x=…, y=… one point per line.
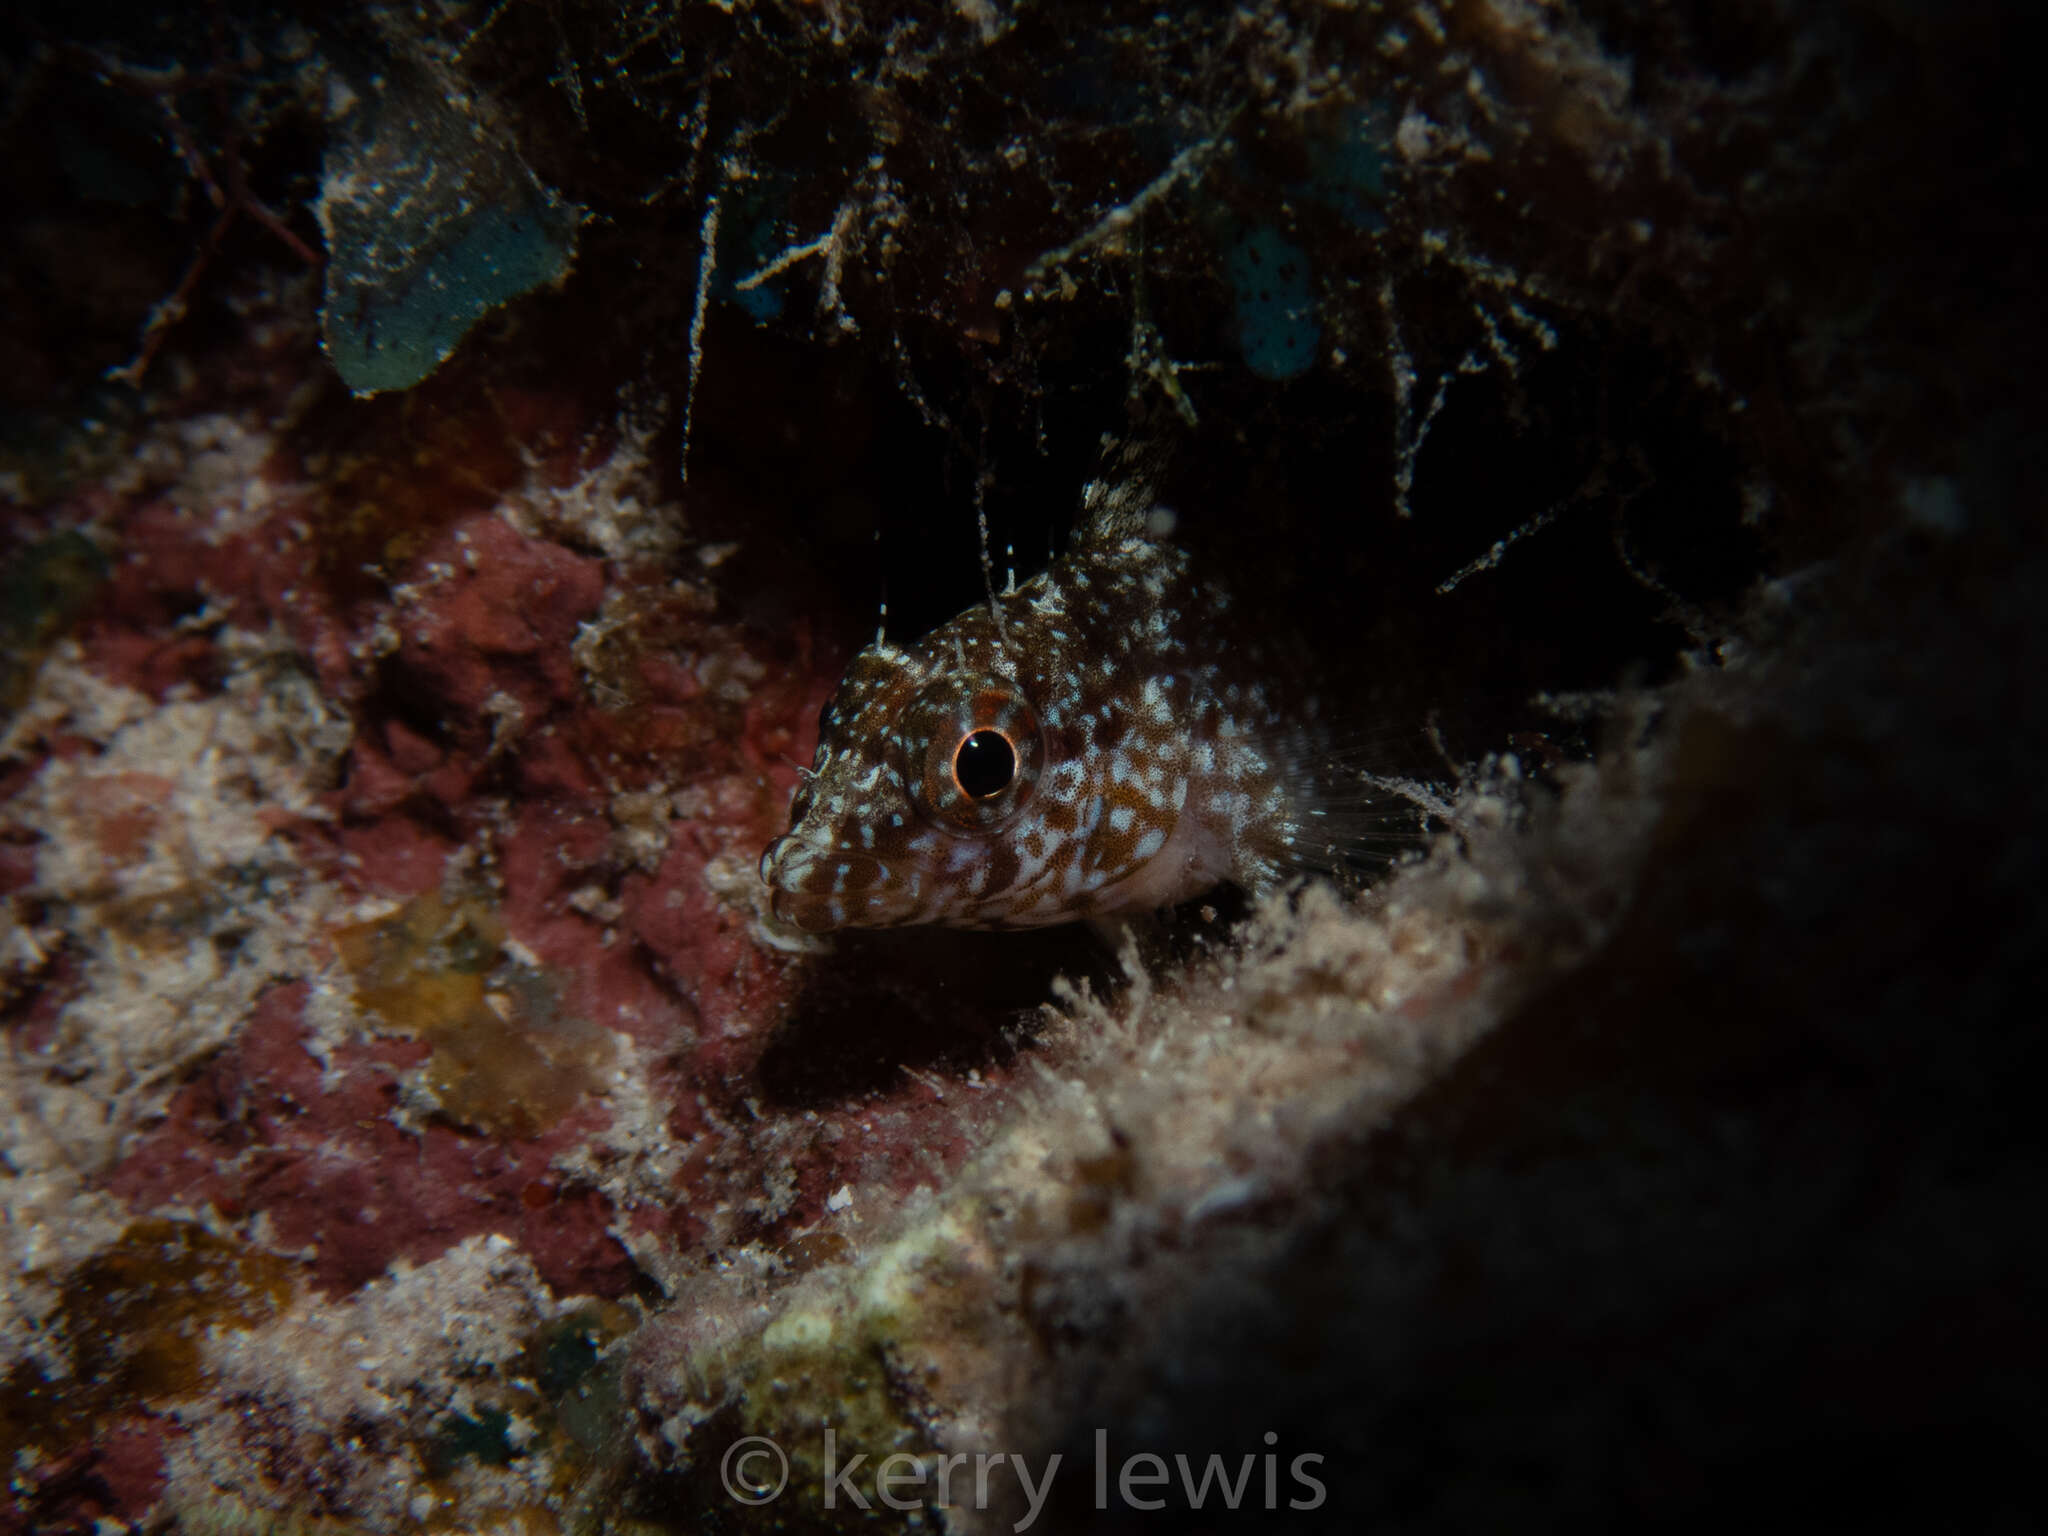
x=498, y=795
x=265, y=1126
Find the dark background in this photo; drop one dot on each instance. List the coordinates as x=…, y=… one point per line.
x=1740, y=1222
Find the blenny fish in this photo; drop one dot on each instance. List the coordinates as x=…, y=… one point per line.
x=1110, y=738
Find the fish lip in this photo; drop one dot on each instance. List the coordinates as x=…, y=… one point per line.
x=794, y=900
x=808, y=913
x=812, y=911
x=788, y=904
x=777, y=856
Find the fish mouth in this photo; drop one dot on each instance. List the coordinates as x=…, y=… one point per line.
x=811, y=914
x=818, y=889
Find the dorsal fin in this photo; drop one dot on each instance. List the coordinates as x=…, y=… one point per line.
x=1119, y=502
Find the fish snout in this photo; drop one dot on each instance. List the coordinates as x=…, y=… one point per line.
x=820, y=888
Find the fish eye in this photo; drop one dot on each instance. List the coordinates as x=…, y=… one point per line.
x=984, y=764
x=971, y=751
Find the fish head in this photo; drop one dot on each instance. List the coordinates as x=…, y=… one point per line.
x=927, y=775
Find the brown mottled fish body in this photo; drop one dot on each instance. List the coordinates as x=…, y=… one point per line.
x=1098, y=741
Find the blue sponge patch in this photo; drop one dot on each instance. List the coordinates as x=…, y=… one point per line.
x=432, y=221
x=389, y=330
x=1276, y=303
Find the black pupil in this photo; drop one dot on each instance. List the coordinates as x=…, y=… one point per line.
x=984, y=765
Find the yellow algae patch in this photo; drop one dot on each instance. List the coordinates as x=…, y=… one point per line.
x=128, y=1330
x=507, y=1057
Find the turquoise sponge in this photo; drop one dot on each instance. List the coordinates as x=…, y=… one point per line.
x=432, y=221
x=1276, y=303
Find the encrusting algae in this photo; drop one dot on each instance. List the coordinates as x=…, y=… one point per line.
x=129, y=1326
x=507, y=1056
